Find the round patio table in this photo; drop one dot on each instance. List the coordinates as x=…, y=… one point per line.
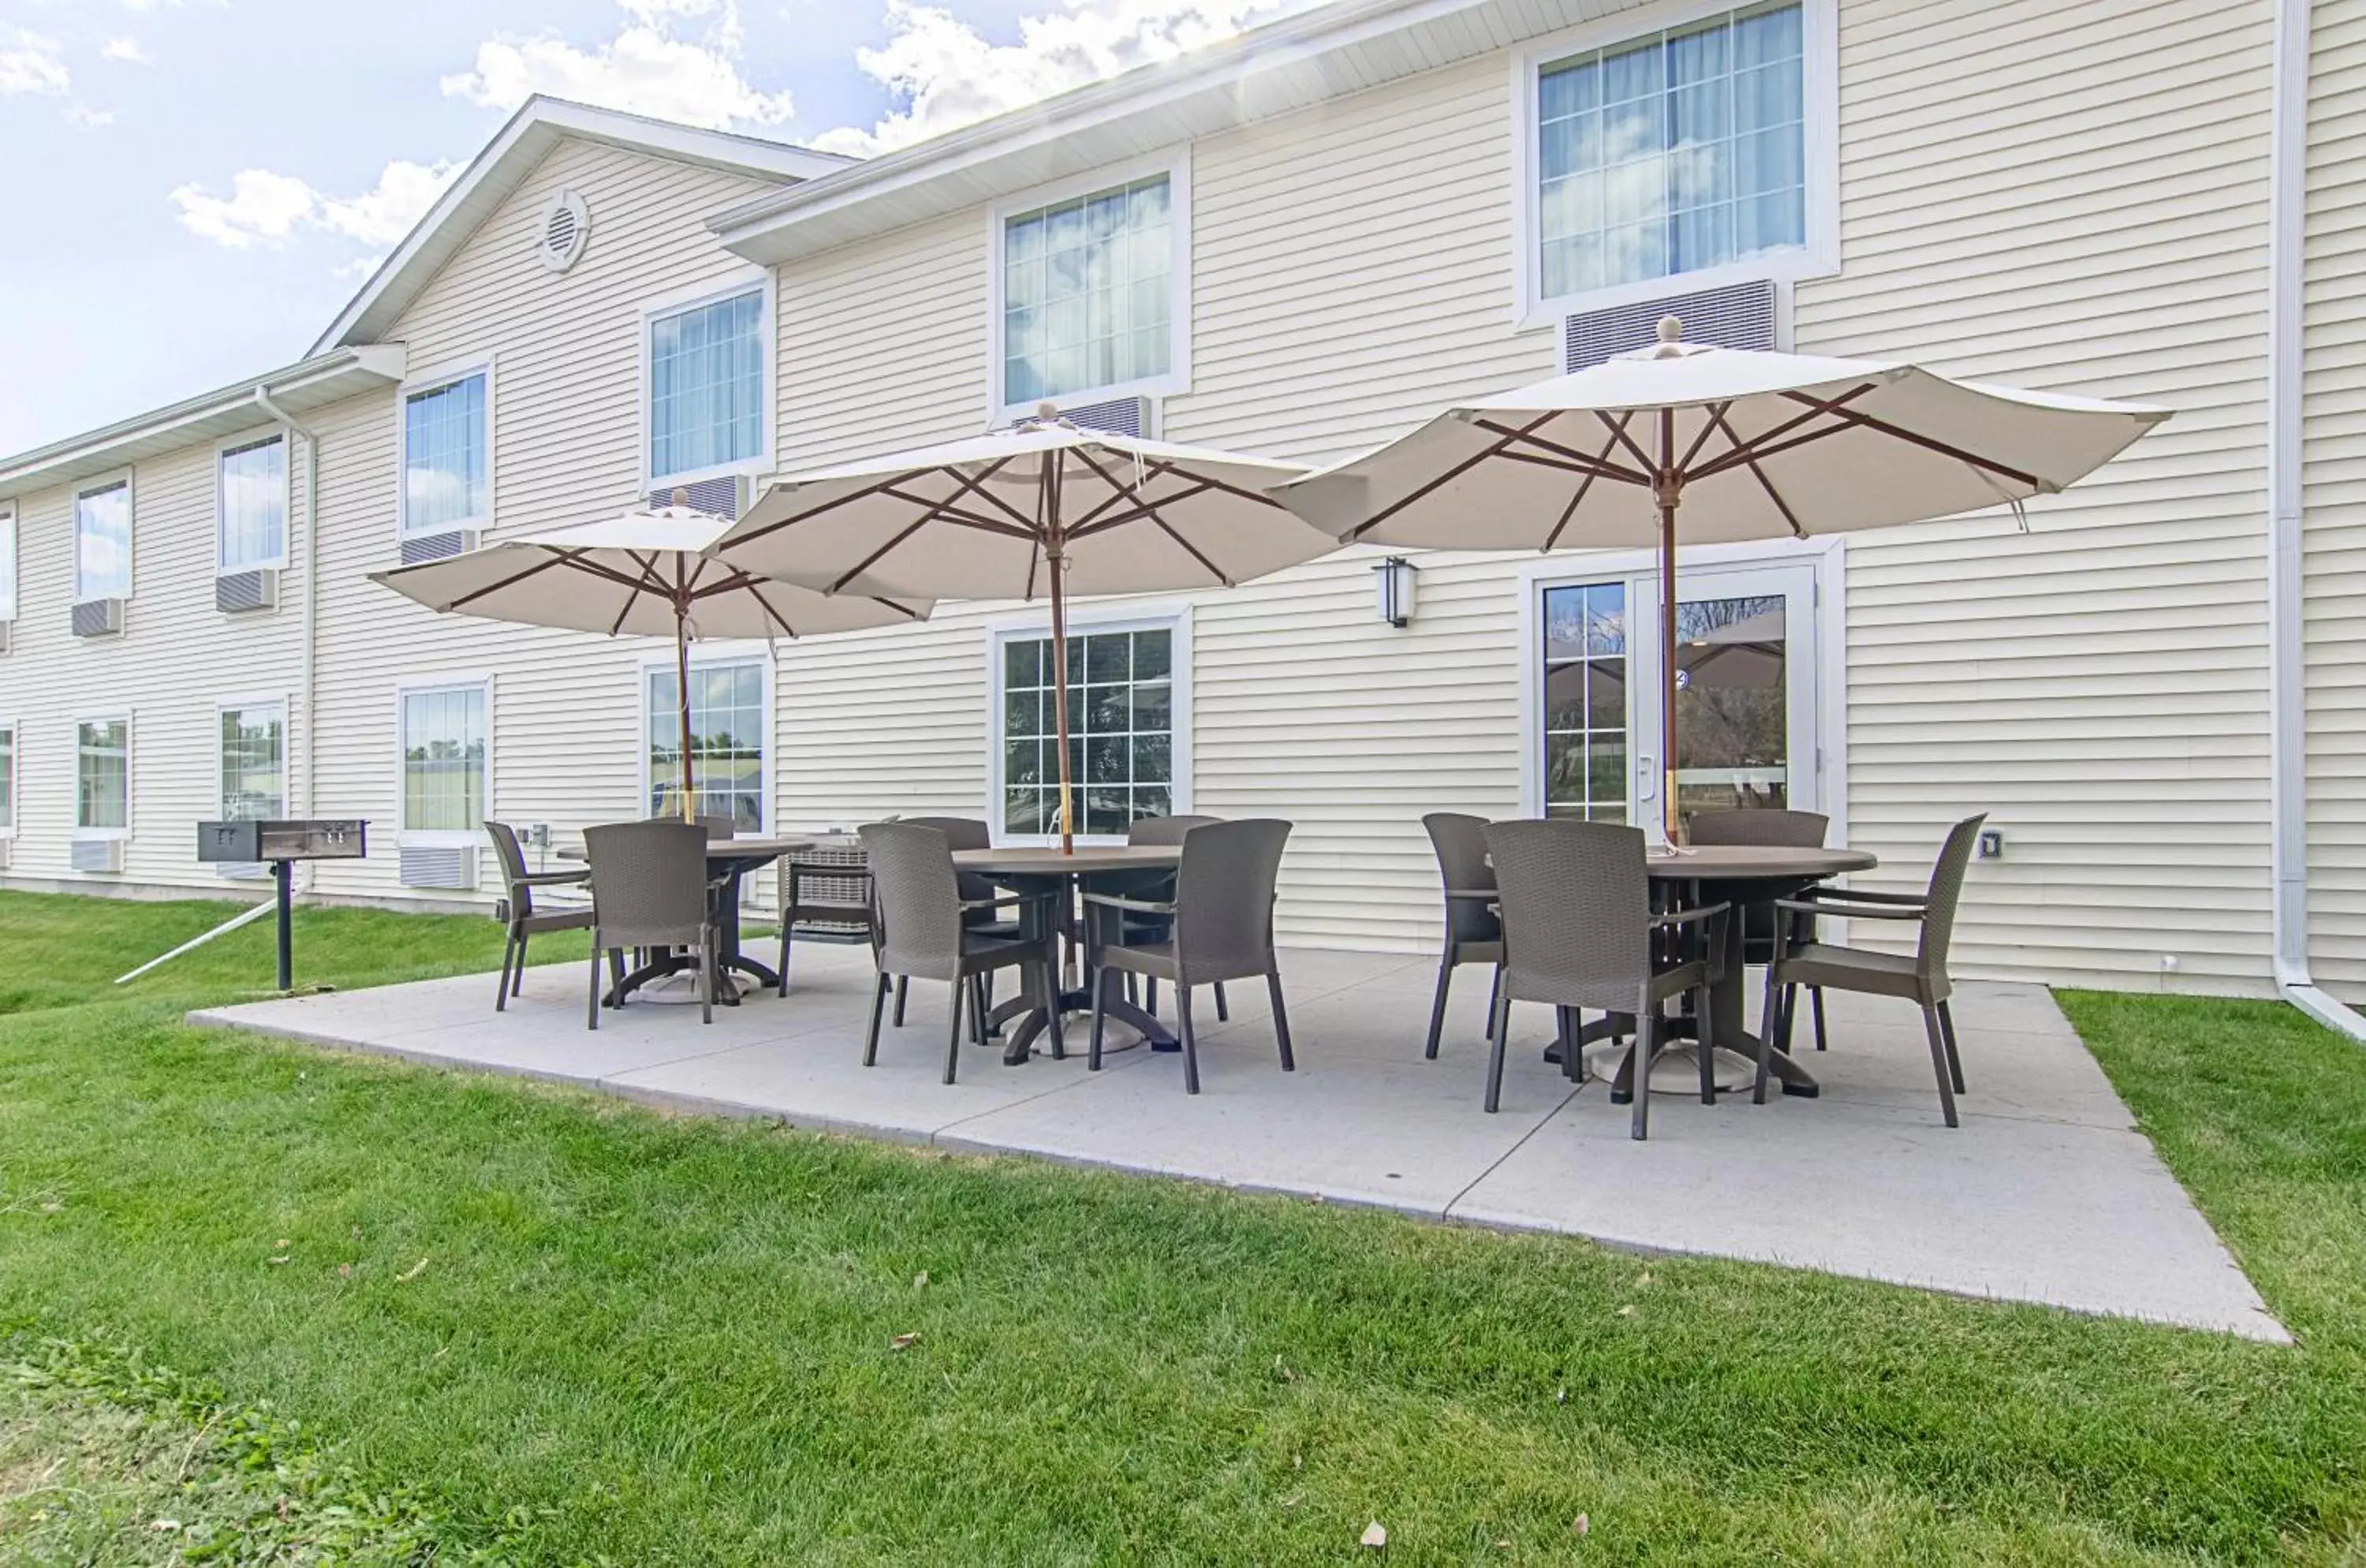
x=734, y=858
x=1745, y=875
x=1112, y=867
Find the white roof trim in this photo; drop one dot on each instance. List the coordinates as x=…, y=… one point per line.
x=1286, y=65
x=309, y=384
x=503, y=164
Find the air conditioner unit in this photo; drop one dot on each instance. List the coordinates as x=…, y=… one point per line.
x=454, y=867
x=1740, y=315
x=726, y=497
x=1137, y=417
x=99, y=617
x=418, y=548
x=102, y=857
x=245, y=593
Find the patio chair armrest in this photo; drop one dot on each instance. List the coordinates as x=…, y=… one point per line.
x=1832, y=909
x=1687, y=917
x=1488, y=894
x=555, y=879
x=1139, y=905
x=1851, y=895
x=1005, y=901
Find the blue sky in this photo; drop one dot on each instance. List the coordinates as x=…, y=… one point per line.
x=195, y=186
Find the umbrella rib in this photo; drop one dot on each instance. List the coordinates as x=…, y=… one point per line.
x=865, y=494
x=1569, y=454
x=1574, y=501
x=1437, y=483
x=1142, y=508
x=949, y=510
x=1617, y=428
x=1118, y=491
x=1717, y=418
x=874, y=557
x=1716, y=421
x=1867, y=422
x=1767, y=443
x=1150, y=509
x=966, y=485
x=474, y=594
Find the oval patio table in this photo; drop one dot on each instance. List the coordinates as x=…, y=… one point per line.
x=1743, y=876
x=734, y=858
x=1030, y=869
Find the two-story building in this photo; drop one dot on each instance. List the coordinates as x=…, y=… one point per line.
x=1300, y=242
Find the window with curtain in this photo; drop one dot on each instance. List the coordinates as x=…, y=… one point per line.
x=254, y=500
x=103, y=542
x=1673, y=152
x=1088, y=293
x=253, y=775
x=1121, y=724
x=706, y=386
x=444, y=760
x=726, y=731
x=103, y=773
x=445, y=444
x=7, y=778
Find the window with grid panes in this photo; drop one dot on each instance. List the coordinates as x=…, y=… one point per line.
x=1121, y=723
x=726, y=731
x=1586, y=750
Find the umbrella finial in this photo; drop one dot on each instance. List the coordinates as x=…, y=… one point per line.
x=1047, y=412
x=1671, y=329
x=681, y=495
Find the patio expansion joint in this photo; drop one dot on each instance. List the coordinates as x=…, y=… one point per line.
x=1563, y=1103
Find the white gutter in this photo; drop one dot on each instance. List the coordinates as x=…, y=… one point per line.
x=309, y=627
x=2287, y=649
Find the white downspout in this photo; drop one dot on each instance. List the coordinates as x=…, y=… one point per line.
x=309, y=627
x=2287, y=649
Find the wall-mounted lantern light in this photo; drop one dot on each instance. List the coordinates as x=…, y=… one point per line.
x=1398, y=581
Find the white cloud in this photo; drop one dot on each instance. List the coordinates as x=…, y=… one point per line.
x=126, y=50
x=83, y=115
x=943, y=73
x=32, y=62
x=270, y=208
x=645, y=69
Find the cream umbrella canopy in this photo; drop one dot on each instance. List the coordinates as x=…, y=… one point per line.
x=1046, y=510
x=645, y=573
x=1728, y=444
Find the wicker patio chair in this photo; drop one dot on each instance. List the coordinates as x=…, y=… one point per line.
x=1162, y=832
x=827, y=886
x=925, y=930
x=1579, y=932
x=649, y=889
x=1920, y=977
x=977, y=894
x=520, y=920
x=1474, y=932
x=1787, y=829
x=1221, y=929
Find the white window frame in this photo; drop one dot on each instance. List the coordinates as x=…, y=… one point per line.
x=703, y=656
x=260, y=436
x=1174, y=618
x=9, y=583
x=1827, y=556
x=1176, y=166
x=441, y=838
x=130, y=534
x=281, y=701
x=12, y=774
x=763, y=280
x=1820, y=102
x=442, y=377
x=130, y=768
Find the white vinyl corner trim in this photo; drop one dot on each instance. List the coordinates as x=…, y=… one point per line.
x=2287, y=649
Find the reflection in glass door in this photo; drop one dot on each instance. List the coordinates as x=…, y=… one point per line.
x=1733, y=747
x=1585, y=708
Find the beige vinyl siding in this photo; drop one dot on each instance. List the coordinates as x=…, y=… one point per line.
x=2071, y=200
x=2334, y=497
x=179, y=660
x=565, y=717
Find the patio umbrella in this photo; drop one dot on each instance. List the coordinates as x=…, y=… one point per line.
x=645, y=573
x=1044, y=508
x=1737, y=445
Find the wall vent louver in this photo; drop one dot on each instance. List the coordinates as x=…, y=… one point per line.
x=418, y=548
x=726, y=497
x=99, y=857
x=245, y=593
x=99, y=617
x=566, y=225
x=1137, y=417
x=438, y=867
x=1740, y=315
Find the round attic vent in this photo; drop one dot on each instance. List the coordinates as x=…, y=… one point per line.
x=566, y=224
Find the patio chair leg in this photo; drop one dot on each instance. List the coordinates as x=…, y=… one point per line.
x=1190, y=1043
x=1053, y=1024
x=1705, y=1046
x=1954, y=1057
x=1939, y=1063
x=1815, y=1006
x=1438, y=1006
x=1770, y=1019
x=501, y=991
x=1223, y=1013
x=952, y=1037
x=616, y=972
x=1647, y=1045
x=1102, y=978
x=870, y=1030
x=903, y=984
x=594, y=1021
x=706, y=978
x=1150, y=996
x=1281, y=1019
x=783, y=966
x=1499, y=1028
x=517, y=970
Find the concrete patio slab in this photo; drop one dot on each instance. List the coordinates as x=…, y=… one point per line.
x=2045, y=1194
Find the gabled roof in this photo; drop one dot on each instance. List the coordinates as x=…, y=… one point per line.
x=1289, y=64
x=298, y=389
x=503, y=165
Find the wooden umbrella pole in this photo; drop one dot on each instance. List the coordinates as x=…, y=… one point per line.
x=1670, y=488
x=681, y=689
x=1054, y=557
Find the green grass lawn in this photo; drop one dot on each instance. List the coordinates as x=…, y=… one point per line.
x=567, y=1329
